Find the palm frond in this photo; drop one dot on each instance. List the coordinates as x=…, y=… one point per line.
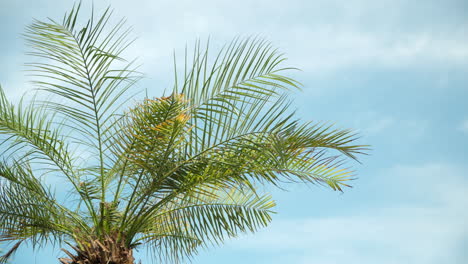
x=29, y=211
x=171, y=247
x=226, y=94
x=30, y=135
x=29, y=126
x=78, y=65
x=204, y=219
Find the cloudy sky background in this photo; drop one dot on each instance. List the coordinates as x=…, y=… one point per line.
x=397, y=71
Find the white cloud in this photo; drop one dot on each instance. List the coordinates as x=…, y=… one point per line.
x=317, y=36
x=427, y=223
x=320, y=36
x=335, y=48
x=464, y=126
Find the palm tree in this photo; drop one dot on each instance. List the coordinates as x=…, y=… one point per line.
x=173, y=174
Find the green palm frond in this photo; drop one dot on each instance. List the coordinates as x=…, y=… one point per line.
x=205, y=219
x=30, y=126
x=30, y=135
x=80, y=69
x=228, y=95
x=29, y=211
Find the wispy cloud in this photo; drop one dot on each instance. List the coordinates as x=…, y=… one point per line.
x=334, y=48
x=464, y=126
x=319, y=36
x=373, y=123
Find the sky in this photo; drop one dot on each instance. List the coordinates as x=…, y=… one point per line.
x=396, y=71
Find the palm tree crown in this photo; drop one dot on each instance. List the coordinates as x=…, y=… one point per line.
x=174, y=173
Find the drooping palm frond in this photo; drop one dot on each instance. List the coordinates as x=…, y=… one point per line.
x=202, y=220
x=27, y=126
x=29, y=211
x=29, y=134
x=25, y=200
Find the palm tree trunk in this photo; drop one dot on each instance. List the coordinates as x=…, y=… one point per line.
x=106, y=251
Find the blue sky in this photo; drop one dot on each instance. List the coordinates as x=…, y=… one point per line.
x=397, y=71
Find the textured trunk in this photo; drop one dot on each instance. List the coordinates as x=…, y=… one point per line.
x=107, y=251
